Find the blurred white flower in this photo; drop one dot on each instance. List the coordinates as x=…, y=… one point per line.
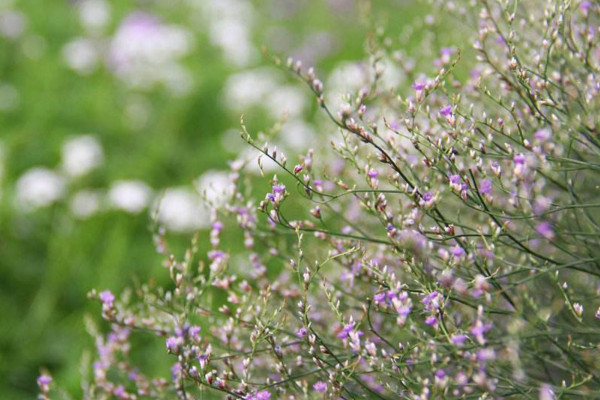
x=94, y=14
x=82, y=55
x=81, y=154
x=85, y=203
x=181, y=210
x=39, y=187
x=233, y=37
x=215, y=187
x=229, y=26
x=144, y=51
x=249, y=88
x=348, y=77
x=289, y=100
x=12, y=24
x=129, y=196
x=297, y=135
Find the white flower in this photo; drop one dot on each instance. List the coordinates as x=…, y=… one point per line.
x=94, y=14
x=297, y=135
x=144, y=51
x=215, y=187
x=129, y=196
x=39, y=187
x=249, y=88
x=289, y=100
x=81, y=55
x=85, y=203
x=12, y=24
x=81, y=154
x=234, y=39
x=181, y=210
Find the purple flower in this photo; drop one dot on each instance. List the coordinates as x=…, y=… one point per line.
x=546, y=392
x=585, y=6
x=457, y=251
x=379, y=297
x=194, y=331
x=427, y=196
x=485, y=186
x=545, y=229
x=262, y=395
x=455, y=179
x=215, y=255
x=44, y=380
x=171, y=343
x=543, y=135
x=519, y=159
x=373, y=173
x=458, y=339
x=446, y=111
x=301, y=332
x=346, y=330
x=320, y=386
x=418, y=85
x=431, y=320
x=431, y=301
x=107, y=298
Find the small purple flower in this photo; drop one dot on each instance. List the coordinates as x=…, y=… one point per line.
x=519, y=159
x=455, y=179
x=320, y=386
x=44, y=380
x=418, y=85
x=446, y=111
x=373, y=173
x=457, y=251
x=431, y=320
x=172, y=343
x=215, y=255
x=427, y=196
x=379, y=297
x=262, y=395
x=545, y=229
x=546, y=392
x=585, y=6
x=346, y=330
x=458, y=339
x=447, y=51
x=543, y=135
x=278, y=189
x=486, y=354
x=485, y=186
x=107, y=298
x=301, y=332
x=194, y=332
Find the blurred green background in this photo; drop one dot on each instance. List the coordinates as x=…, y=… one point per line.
x=155, y=89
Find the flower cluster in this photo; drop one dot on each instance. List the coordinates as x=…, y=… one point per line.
x=445, y=246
